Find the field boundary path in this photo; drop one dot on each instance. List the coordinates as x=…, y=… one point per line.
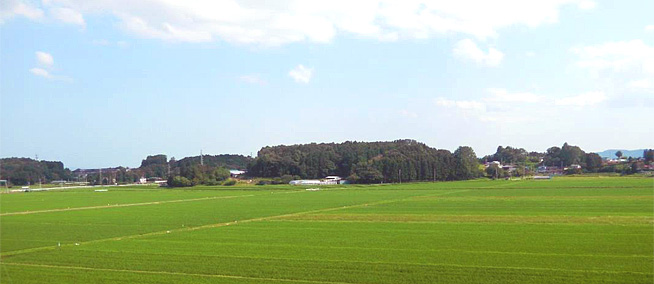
x=123, y=205
x=176, y=273
x=223, y=224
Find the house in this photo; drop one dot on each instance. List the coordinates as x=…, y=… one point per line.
x=236, y=173
x=496, y=163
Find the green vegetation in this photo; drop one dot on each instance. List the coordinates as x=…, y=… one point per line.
x=22, y=171
x=566, y=230
x=367, y=162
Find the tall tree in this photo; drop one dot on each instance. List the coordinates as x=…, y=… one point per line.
x=618, y=154
x=466, y=164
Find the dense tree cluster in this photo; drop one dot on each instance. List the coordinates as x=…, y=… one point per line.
x=509, y=155
x=23, y=171
x=210, y=170
x=569, y=155
x=154, y=166
x=367, y=162
x=225, y=161
x=648, y=155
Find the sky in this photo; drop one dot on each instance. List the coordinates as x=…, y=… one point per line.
x=98, y=83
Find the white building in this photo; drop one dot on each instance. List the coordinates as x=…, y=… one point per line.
x=236, y=173
x=328, y=180
x=305, y=182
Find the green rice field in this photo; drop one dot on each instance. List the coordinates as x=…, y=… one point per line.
x=564, y=230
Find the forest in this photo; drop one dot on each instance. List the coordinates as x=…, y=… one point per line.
x=367, y=162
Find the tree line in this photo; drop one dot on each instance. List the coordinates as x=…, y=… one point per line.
x=23, y=171
x=367, y=162
x=359, y=162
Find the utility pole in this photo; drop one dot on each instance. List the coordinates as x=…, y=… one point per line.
x=201, y=158
x=100, y=176
x=400, y=174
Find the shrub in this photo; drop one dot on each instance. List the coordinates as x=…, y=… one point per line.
x=179, y=181
x=230, y=182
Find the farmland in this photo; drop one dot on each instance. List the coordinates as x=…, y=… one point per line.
x=575, y=229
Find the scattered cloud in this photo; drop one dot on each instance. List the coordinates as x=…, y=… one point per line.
x=274, y=23
x=503, y=106
x=619, y=56
x=100, y=42
x=68, y=16
x=586, y=5
x=499, y=95
x=649, y=28
x=586, y=99
x=122, y=44
x=408, y=114
x=467, y=49
x=530, y=54
x=301, y=74
x=44, y=58
x=463, y=105
x=646, y=84
x=252, y=79
x=12, y=8
x=46, y=62
x=625, y=68
x=41, y=72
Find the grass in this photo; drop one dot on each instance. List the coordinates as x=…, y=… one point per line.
x=568, y=230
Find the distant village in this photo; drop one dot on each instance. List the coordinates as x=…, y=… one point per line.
x=387, y=167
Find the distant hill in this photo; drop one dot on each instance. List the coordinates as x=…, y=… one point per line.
x=638, y=153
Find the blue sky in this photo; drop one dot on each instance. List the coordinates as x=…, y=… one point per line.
x=105, y=83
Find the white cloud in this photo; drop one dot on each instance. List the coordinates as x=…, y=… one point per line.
x=503, y=96
x=646, y=85
x=46, y=61
x=68, y=16
x=301, y=74
x=12, y=8
x=463, y=105
x=506, y=107
x=100, y=42
x=285, y=21
x=468, y=49
x=252, y=79
x=408, y=114
x=619, y=56
x=44, y=58
x=530, y=54
x=624, y=68
x=649, y=28
x=586, y=5
x=586, y=99
x=41, y=72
